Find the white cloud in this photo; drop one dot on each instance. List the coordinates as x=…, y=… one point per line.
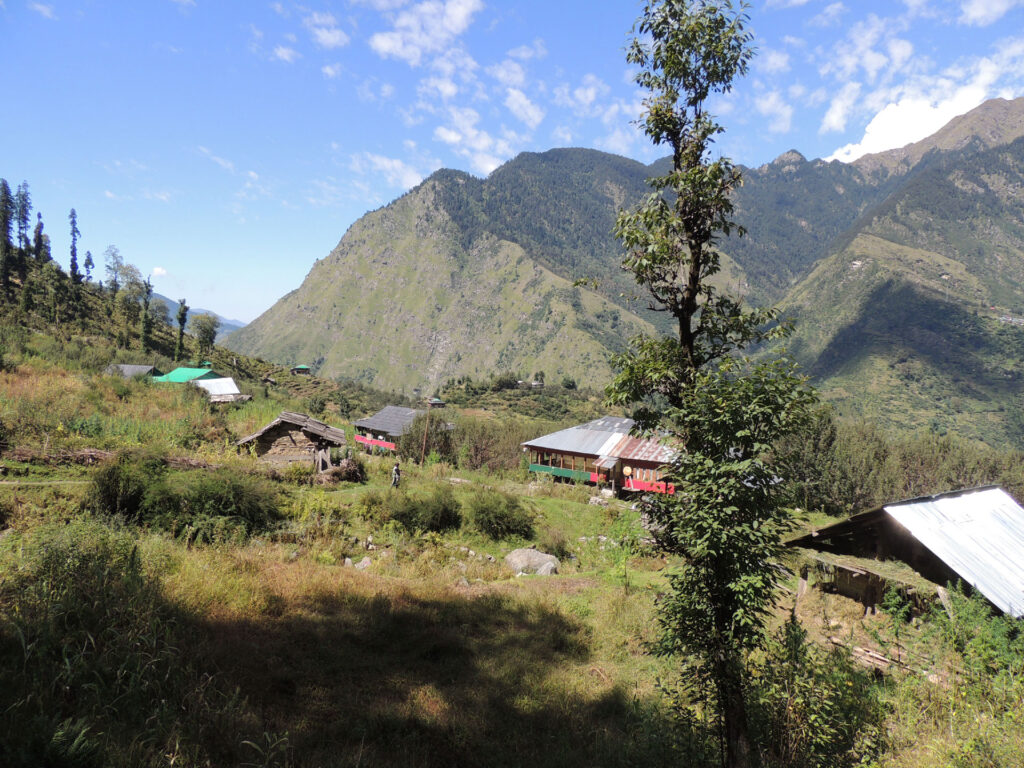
x=583, y=98
x=441, y=87
x=981, y=13
x=535, y=51
x=484, y=151
x=839, y=109
x=773, y=61
x=620, y=141
x=331, y=71
x=524, y=109
x=829, y=16
x=161, y=196
x=227, y=165
x=786, y=3
x=509, y=73
x=159, y=272
x=184, y=2
x=562, y=134
x=381, y=5
x=428, y=27
x=324, y=29
x=46, y=11
x=780, y=114
x=396, y=172
x=284, y=53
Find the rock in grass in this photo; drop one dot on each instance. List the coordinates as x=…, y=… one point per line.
x=531, y=561
x=363, y=564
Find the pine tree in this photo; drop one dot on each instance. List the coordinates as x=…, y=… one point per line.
x=146, y=321
x=182, y=317
x=6, y=219
x=40, y=242
x=88, y=264
x=23, y=217
x=76, y=276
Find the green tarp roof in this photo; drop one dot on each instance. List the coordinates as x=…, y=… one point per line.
x=184, y=375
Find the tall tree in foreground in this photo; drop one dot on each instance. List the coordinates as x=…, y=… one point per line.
x=723, y=411
x=146, y=320
x=7, y=216
x=182, y=316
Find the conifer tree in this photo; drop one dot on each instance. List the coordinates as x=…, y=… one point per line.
x=182, y=317
x=6, y=219
x=40, y=242
x=23, y=217
x=146, y=321
x=73, y=273
x=88, y=264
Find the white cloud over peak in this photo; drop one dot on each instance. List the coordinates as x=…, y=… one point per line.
x=396, y=172
x=839, y=109
x=284, y=53
x=981, y=13
x=465, y=138
x=425, y=28
x=525, y=110
x=775, y=108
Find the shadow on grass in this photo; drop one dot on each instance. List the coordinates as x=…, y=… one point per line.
x=448, y=681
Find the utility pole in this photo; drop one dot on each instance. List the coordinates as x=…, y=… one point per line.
x=426, y=426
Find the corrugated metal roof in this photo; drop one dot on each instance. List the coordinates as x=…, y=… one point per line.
x=607, y=437
x=391, y=420
x=225, y=386
x=128, y=371
x=979, y=534
x=185, y=375
x=306, y=424
x=631, y=448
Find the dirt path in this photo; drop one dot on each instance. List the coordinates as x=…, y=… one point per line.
x=43, y=482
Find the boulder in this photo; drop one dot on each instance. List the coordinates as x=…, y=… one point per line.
x=363, y=564
x=531, y=561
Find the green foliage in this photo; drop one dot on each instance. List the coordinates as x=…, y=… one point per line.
x=436, y=509
x=814, y=708
x=93, y=671
x=499, y=515
x=204, y=328
x=316, y=405
x=199, y=506
x=433, y=427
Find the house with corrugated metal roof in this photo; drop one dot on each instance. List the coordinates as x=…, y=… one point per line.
x=223, y=390
x=185, y=375
x=295, y=437
x=383, y=428
x=603, y=452
x=974, y=536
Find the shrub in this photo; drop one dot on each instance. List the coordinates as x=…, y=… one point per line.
x=119, y=486
x=554, y=542
x=499, y=515
x=437, y=511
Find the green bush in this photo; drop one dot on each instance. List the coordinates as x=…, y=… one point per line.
x=438, y=510
x=198, y=505
x=499, y=515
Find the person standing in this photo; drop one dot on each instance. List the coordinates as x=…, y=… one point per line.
x=396, y=475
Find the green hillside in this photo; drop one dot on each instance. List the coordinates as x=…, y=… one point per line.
x=407, y=300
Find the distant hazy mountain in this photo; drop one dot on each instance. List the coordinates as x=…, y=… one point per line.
x=227, y=325
x=905, y=271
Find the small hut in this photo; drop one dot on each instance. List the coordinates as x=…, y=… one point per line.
x=383, y=428
x=186, y=375
x=301, y=370
x=131, y=371
x=295, y=438
x=221, y=390
x=975, y=536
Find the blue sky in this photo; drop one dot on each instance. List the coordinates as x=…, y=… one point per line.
x=224, y=146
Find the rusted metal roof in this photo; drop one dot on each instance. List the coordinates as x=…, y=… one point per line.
x=979, y=534
x=608, y=438
x=306, y=424
x=644, y=449
x=390, y=420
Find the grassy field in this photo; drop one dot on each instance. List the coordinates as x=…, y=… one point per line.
x=137, y=639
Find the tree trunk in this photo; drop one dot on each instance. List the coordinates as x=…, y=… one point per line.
x=738, y=753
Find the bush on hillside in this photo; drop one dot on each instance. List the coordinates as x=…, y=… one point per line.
x=499, y=515
x=198, y=505
x=438, y=510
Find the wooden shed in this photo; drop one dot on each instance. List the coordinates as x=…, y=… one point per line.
x=295, y=438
